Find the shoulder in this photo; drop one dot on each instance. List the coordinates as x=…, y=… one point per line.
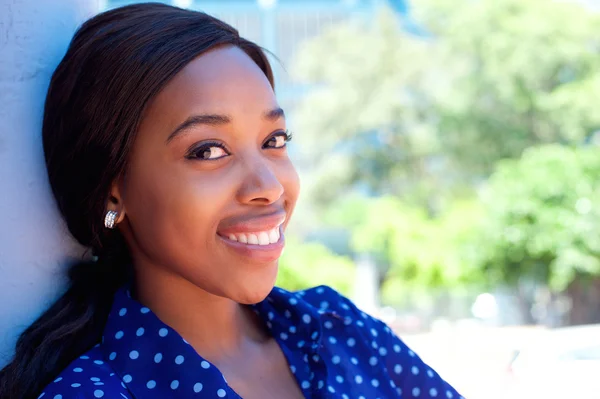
x=88, y=376
x=328, y=300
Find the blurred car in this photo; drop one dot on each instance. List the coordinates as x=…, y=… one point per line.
x=562, y=363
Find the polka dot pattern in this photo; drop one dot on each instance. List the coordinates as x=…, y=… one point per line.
x=332, y=348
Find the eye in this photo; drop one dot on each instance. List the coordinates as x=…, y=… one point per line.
x=279, y=140
x=208, y=152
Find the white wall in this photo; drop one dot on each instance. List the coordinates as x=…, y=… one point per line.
x=34, y=245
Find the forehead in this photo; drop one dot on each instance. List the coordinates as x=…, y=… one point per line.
x=224, y=80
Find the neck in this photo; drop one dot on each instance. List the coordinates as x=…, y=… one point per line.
x=218, y=328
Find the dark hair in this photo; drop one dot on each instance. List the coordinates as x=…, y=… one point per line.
x=115, y=65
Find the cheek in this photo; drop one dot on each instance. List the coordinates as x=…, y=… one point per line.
x=173, y=210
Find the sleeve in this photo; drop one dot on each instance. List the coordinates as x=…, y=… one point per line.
x=84, y=379
x=411, y=376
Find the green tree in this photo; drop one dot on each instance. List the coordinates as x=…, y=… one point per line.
x=543, y=224
x=305, y=265
x=415, y=116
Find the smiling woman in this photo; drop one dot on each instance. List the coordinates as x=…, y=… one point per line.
x=166, y=152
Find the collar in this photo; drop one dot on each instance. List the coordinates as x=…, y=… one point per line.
x=154, y=361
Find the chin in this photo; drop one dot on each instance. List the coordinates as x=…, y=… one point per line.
x=255, y=289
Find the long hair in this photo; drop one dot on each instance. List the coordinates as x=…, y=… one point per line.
x=115, y=65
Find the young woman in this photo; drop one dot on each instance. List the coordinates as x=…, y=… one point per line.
x=166, y=152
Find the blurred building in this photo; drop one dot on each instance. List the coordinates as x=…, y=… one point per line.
x=281, y=26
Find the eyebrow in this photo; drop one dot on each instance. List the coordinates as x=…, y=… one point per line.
x=219, y=120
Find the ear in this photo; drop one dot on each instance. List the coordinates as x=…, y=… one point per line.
x=115, y=201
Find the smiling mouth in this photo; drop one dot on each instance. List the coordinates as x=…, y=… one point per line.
x=257, y=238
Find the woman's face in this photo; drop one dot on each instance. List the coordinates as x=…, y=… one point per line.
x=210, y=187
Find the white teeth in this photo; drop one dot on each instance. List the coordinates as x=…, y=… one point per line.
x=263, y=238
x=252, y=239
x=259, y=238
x=274, y=236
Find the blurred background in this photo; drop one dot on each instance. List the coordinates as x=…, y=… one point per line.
x=450, y=160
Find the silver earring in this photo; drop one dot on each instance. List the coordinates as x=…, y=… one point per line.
x=110, y=218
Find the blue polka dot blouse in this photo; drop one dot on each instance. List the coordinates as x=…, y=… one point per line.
x=333, y=349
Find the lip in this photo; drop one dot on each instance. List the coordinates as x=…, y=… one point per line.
x=251, y=224
x=255, y=252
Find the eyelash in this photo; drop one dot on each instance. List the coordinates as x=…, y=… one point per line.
x=194, y=152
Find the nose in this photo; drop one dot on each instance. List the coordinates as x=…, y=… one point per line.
x=260, y=184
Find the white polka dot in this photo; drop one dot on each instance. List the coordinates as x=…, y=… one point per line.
x=98, y=383
x=320, y=384
x=197, y=387
x=293, y=329
x=416, y=391
x=127, y=378
x=433, y=392
x=305, y=384
x=221, y=393
x=328, y=325
x=205, y=364
x=119, y=335
x=122, y=312
x=98, y=393
x=179, y=359
x=336, y=359
x=382, y=351
x=354, y=360
x=78, y=369
x=374, y=345
x=397, y=369
x=351, y=342
x=306, y=319
x=144, y=310
x=84, y=357
x=95, y=379
x=358, y=379
x=332, y=340
x=430, y=373
x=98, y=362
x=449, y=395
x=134, y=355
x=293, y=301
x=113, y=356
x=293, y=369
x=314, y=335
x=56, y=397
x=414, y=370
x=373, y=361
x=300, y=344
x=373, y=332
x=287, y=314
x=339, y=379
x=174, y=384
x=411, y=353
x=320, y=290
x=151, y=384
x=397, y=348
x=283, y=336
x=163, y=332
x=375, y=383
x=76, y=385
x=331, y=389
x=157, y=358
x=140, y=332
x=324, y=305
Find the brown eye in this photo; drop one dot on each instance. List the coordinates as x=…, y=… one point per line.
x=278, y=140
x=208, y=152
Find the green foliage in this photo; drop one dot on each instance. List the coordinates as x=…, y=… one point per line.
x=305, y=265
x=417, y=117
x=543, y=216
